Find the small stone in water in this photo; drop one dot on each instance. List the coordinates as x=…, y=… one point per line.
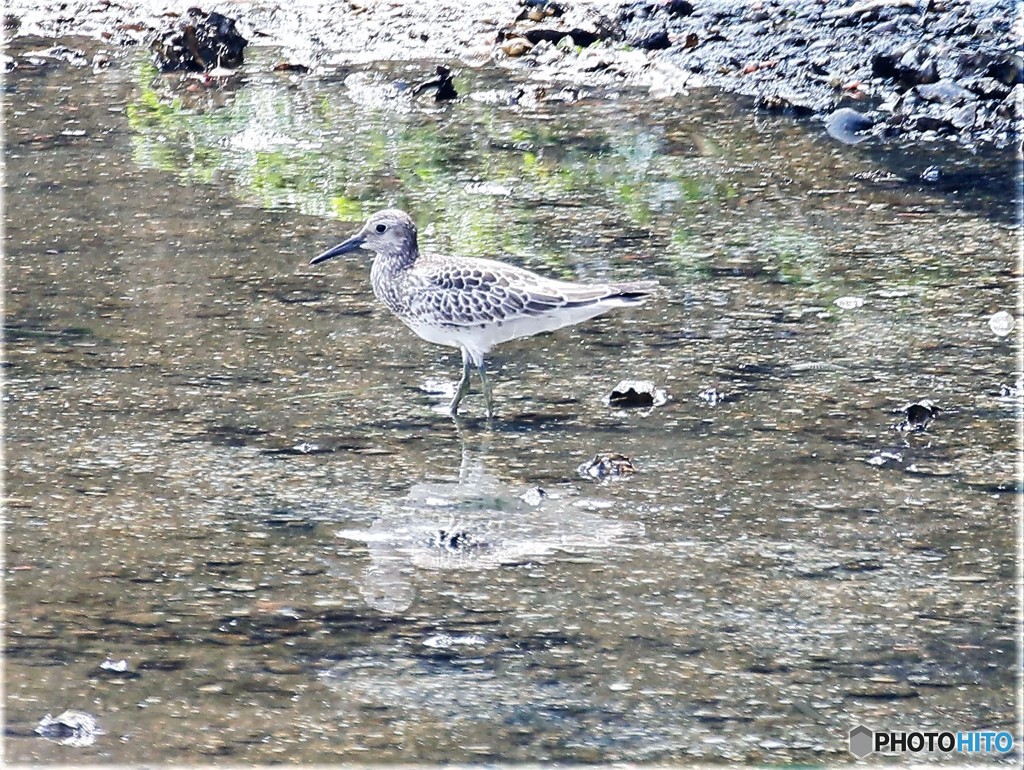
x=441, y=82
x=713, y=396
x=883, y=457
x=636, y=393
x=444, y=641
x=608, y=464
x=452, y=540
x=1001, y=323
x=118, y=666
x=70, y=728
x=533, y=496
x=918, y=416
x=850, y=303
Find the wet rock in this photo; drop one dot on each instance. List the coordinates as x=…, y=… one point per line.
x=909, y=69
x=848, y=126
x=656, y=41
x=932, y=174
x=713, y=396
x=986, y=87
x=944, y=92
x=455, y=540
x=516, y=46
x=677, y=8
x=871, y=7
x=964, y=117
x=1008, y=69
x=287, y=66
x=649, y=9
x=583, y=25
x=607, y=465
x=116, y=670
x=442, y=82
x=849, y=303
x=70, y=728
x=792, y=103
x=73, y=56
x=1012, y=391
x=881, y=691
x=1001, y=323
x=1010, y=107
x=533, y=496
x=636, y=394
x=917, y=416
x=535, y=10
x=199, y=42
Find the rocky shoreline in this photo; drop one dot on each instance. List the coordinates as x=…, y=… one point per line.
x=895, y=70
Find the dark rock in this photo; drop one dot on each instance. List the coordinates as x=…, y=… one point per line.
x=608, y=464
x=638, y=10
x=442, y=82
x=1008, y=70
x=656, y=41
x=917, y=416
x=971, y=64
x=583, y=23
x=646, y=9
x=580, y=37
x=454, y=540
x=635, y=393
x=677, y=8
x=848, y=126
x=910, y=69
x=546, y=7
x=199, y=42
x=1010, y=107
x=286, y=66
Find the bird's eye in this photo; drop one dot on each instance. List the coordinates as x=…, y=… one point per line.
x=381, y=228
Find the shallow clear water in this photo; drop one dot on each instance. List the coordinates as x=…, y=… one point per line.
x=228, y=469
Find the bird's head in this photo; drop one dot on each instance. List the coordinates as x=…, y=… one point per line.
x=388, y=232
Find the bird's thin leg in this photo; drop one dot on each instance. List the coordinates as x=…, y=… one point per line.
x=488, y=401
x=463, y=388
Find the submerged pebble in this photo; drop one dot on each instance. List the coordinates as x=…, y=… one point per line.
x=918, y=416
x=70, y=728
x=848, y=126
x=607, y=464
x=1001, y=323
x=636, y=394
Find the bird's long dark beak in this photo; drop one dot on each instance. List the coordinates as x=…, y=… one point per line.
x=352, y=244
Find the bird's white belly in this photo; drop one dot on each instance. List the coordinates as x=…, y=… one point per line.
x=478, y=339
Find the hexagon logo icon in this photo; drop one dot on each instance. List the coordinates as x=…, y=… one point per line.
x=862, y=741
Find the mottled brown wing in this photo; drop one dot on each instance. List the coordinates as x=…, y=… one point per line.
x=465, y=296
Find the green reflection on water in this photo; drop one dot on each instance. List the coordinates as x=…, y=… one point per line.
x=468, y=167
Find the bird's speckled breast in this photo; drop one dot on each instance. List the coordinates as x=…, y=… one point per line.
x=390, y=281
